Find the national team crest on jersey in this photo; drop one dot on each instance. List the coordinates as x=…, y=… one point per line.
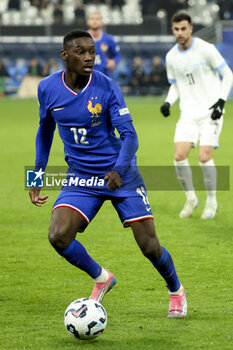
x=104, y=47
x=95, y=110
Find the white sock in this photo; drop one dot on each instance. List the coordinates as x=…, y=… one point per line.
x=210, y=179
x=103, y=277
x=184, y=175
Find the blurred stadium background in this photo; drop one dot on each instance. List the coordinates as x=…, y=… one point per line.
x=31, y=34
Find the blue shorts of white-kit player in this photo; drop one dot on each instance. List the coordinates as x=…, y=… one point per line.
x=131, y=204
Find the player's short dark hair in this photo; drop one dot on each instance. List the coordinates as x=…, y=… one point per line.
x=75, y=34
x=181, y=16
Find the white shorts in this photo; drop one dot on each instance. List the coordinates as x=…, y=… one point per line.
x=205, y=130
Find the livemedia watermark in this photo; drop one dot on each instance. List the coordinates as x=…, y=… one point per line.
x=56, y=178
x=156, y=178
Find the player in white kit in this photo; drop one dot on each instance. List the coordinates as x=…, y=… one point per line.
x=194, y=67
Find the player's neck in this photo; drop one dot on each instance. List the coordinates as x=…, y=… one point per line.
x=74, y=81
x=186, y=45
x=96, y=34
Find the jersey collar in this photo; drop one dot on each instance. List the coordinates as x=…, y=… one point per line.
x=71, y=90
x=187, y=50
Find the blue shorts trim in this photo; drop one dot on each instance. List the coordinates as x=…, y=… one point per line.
x=127, y=223
x=72, y=207
x=130, y=209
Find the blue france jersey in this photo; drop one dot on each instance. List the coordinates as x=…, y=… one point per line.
x=86, y=120
x=105, y=48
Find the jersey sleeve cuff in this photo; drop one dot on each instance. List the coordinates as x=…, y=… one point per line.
x=219, y=68
x=171, y=81
x=120, y=170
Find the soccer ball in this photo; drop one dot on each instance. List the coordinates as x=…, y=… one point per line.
x=85, y=318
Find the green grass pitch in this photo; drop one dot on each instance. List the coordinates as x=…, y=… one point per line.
x=36, y=284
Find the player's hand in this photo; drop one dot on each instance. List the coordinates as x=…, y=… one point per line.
x=165, y=109
x=217, y=109
x=114, y=180
x=36, y=198
x=111, y=64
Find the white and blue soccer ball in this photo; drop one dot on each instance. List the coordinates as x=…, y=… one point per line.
x=85, y=318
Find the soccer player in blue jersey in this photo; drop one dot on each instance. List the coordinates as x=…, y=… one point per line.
x=87, y=106
x=107, y=51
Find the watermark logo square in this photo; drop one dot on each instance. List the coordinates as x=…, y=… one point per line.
x=35, y=178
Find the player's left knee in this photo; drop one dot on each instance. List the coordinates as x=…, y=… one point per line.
x=59, y=235
x=144, y=233
x=151, y=249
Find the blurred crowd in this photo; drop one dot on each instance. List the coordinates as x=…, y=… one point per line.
x=137, y=77
x=22, y=77
x=170, y=6
x=225, y=9
x=58, y=10
x=3, y=74
x=55, y=7
x=152, y=81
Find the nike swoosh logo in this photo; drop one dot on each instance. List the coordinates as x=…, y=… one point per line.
x=148, y=209
x=78, y=312
x=58, y=109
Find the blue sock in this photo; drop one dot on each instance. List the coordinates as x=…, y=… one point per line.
x=166, y=268
x=77, y=255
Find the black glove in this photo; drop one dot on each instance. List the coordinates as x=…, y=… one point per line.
x=218, y=109
x=165, y=109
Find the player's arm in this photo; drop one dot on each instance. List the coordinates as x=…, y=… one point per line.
x=36, y=197
x=44, y=139
x=122, y=121
x=114, y=52
x=128, y=149
x=226, y=85
x=173, y=93
x=217, y=62
x=172, y=97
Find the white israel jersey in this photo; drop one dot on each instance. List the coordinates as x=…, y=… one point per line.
x=195, y=73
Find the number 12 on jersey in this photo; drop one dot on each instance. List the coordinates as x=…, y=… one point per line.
x=80, y=136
